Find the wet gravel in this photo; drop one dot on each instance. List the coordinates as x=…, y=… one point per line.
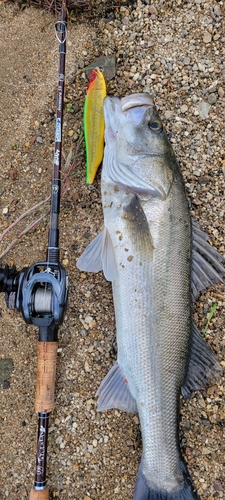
x=176, y=50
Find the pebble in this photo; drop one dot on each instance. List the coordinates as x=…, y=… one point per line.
x=184, y=108
x=6, y=384
x=169, y=114
x=39, y=139
x=221, y=92
x=186, y=61
x=212, y=98
x=217, y=485
x=203, y=109
x=207, y=37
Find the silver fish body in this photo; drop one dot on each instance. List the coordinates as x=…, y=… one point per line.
x=145, y=250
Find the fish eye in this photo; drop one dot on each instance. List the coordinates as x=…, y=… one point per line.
x=156, y=126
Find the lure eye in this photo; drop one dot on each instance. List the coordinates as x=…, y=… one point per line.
x=156, y=126
x=93, y=77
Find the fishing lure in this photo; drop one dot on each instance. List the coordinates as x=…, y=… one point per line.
x=94, y=124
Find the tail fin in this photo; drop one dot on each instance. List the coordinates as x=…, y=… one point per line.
x=144, y=492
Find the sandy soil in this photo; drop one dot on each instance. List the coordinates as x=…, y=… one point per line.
x=91, y=455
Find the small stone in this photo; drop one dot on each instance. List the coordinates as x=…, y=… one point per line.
x=168, y=38
x=86, y=367
x=13, y=174
x=107, y=65
x=88, y=319
x=39, y=139
x=184, y=108
x=220, y=92
x=95, y=443
x=71, y=133
x=212, y=98
x=6, y=368
x=169, y=114
x=5, y=210
x=65, y=262
x=80, y=63
x=152, y=10
x=207, y=37
x=201, y=67
x=6, y=384
x=125, y=21
x=186, y=61
x=136, y=76
x=130, y=442
x=217, y=10
x=217, y=485
x=203, y=109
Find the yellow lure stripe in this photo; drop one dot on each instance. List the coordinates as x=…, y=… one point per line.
x=94, y=124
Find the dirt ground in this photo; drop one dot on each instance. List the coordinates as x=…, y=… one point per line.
x=95, y=456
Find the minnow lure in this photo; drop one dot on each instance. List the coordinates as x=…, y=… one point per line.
x=94, y=124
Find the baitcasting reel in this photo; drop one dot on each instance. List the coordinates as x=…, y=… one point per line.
x=39, y=292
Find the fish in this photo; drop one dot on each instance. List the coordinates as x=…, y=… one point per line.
x=94, y=124
x=158, y=260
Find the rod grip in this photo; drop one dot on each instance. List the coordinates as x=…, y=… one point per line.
x=46, y=371
x=39, y=494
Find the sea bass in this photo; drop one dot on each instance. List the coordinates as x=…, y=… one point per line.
x=157, y=261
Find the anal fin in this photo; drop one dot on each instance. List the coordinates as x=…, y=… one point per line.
x=203, y=366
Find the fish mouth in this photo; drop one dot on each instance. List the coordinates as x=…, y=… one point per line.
x=136, y=100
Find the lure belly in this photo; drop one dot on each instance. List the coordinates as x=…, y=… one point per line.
x=94, y=124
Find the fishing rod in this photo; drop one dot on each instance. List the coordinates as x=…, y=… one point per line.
x=40, y=292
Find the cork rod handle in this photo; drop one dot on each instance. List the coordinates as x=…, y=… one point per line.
x=46, y=371
x=39, y=495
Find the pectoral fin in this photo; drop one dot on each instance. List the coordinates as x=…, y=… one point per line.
x=99, y=256
x=114, y=392
x=91, y=260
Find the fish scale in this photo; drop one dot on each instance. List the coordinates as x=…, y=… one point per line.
x=144, y=359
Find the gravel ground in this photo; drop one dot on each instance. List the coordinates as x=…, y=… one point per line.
x=175, y=49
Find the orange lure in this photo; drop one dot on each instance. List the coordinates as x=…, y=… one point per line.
x=94, y=124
